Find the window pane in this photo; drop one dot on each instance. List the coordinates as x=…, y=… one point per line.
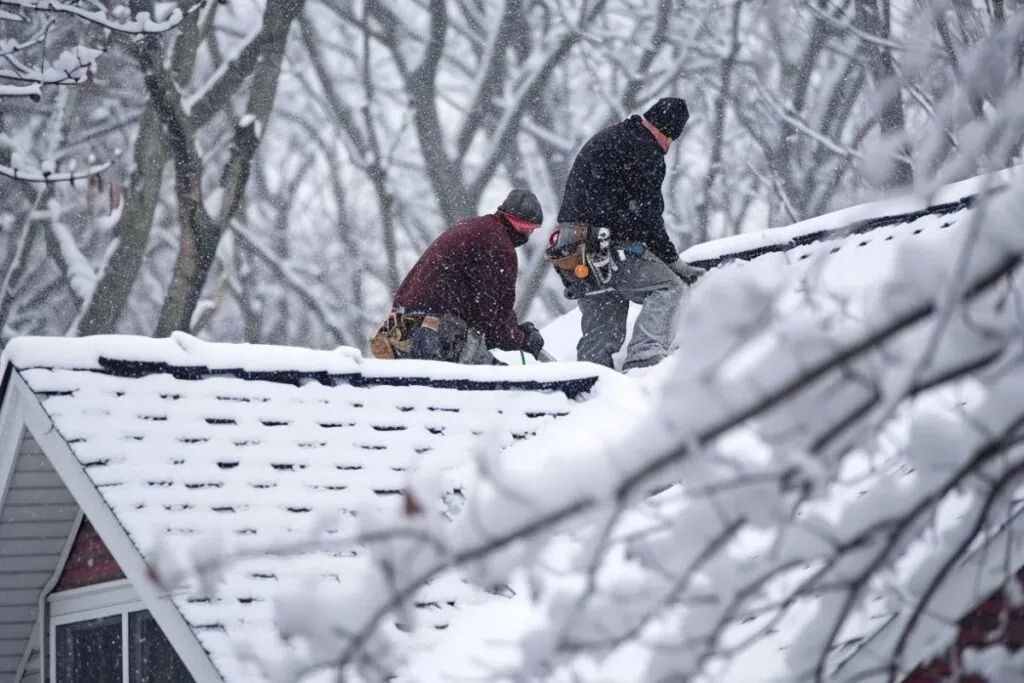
x=90, y=651
x=152, y=659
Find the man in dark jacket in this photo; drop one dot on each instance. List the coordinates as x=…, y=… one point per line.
x=615, y=183
x=457, y=301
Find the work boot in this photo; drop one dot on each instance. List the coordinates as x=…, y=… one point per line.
x=637, y=363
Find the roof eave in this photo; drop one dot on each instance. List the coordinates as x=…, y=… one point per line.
x=11, y=423
x=159, y=604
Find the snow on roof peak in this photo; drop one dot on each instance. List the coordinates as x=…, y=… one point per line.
x=180, y=349
x=858, y=219
x=184, y=356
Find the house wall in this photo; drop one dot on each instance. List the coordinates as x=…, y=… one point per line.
x=89, y=562
x=993, y=622
x=36, y=518
x=32, y=672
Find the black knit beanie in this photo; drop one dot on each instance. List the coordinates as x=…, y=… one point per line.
x=524, y=205
x=669, y=115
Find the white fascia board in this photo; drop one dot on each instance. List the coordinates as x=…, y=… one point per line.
x=109, y=594
x=26, y=656
x=11, y=428
x=42, y=611
x=157, y=601
x=65, y=553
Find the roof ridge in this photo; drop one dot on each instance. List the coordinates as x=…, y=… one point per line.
x=134, y=369
x=859, y=227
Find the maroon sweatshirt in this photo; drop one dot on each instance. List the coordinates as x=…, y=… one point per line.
x=470, y=271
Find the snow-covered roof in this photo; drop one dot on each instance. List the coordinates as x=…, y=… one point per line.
x=183, y=438
x=865, y=227
x=842, y=260
x=947, y=200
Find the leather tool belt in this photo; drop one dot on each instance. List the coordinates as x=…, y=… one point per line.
x=585, y=257
x=426, y=336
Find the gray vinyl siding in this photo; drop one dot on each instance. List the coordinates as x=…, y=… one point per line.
x=32, y=673
x=37, y=516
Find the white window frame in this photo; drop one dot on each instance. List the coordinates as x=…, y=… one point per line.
x=93, y=602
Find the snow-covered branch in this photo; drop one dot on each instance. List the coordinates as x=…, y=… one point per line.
x=33, y=90
x=46, y=173
x=762, y=528
x=118, y=19
x=72, y=66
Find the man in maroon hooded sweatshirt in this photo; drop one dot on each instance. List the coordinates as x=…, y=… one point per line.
x=457, y=301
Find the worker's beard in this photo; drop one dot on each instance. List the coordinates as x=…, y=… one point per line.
x=518, y=238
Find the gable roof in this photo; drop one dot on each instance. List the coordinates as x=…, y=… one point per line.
x=168, y=439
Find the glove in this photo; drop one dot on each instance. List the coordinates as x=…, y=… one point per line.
x=689, y=274
x=533, y=342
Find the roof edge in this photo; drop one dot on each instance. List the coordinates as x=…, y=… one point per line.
x=12, y=420
x=37, y=421
x=855, y=228
x=188, y=358
x=6, y=368
x=856, y=219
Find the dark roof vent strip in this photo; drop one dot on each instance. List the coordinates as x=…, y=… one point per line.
x=134, y=369
x=857, y=228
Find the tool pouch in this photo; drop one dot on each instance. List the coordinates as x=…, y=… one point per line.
x=570, y=251
x=391, y=340
x=421, y=336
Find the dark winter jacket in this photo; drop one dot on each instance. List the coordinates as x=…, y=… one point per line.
x=470, y=271
x=615, y=182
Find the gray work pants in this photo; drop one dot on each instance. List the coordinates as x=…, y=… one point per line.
x=475, y=351
x=644, y=280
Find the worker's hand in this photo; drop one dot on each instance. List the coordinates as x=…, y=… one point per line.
x=533, y=342
x=689, y=274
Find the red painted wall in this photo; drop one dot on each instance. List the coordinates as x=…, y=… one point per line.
x=89, y=562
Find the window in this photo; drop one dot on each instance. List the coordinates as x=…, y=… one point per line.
x=90, y=650
x=151, y=658
x=104, y=635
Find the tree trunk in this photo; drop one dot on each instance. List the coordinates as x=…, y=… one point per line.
x=783, y=160
x=151, y=154
x=200, y=232
x=108, y=302
x=718, y=126
x=872, y=17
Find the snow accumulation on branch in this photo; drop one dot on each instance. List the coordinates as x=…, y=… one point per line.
x=76, y=64
x=72, y=66
x=44, y=174
x=119, y=19
x=78, y=271
x=781, y=536
x=30, y=90
x=10, y=47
